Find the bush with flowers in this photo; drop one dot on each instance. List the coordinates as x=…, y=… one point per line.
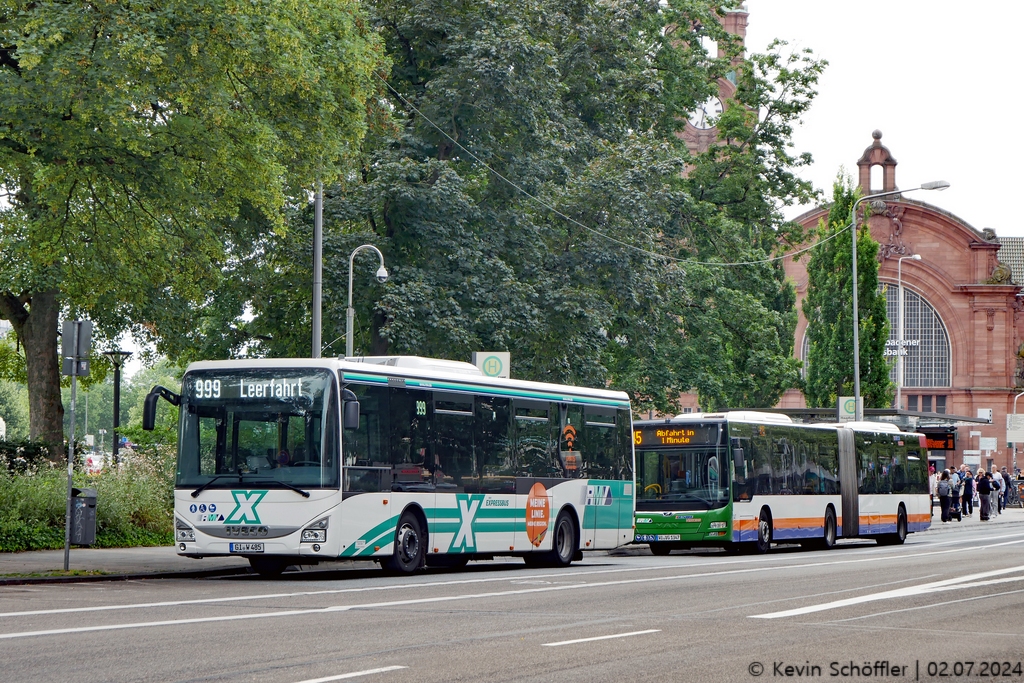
x=135, y=498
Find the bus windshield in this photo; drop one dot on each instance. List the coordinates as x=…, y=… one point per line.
x=258, y=427
x=681, y=479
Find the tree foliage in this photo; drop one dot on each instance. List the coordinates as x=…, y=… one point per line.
x=133, y=136
x=524, y=175
x=828, y=308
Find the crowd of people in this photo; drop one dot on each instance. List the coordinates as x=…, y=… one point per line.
x=961, y=490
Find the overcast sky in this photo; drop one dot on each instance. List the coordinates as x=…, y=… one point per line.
x=938, y=78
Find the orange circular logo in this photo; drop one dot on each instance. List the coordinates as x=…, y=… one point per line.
x=537, y=514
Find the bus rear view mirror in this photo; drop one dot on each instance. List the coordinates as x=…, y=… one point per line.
x=737, y=458
x=351, y=416
x=149, y=408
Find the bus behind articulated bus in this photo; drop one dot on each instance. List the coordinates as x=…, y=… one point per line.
x=406, y=461
x=743, y=480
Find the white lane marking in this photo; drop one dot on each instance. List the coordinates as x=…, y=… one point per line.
x=418, y=601
x=617, y=635
x=930, y=605
x=354, y=674
x=904, y=592
x=462, y=582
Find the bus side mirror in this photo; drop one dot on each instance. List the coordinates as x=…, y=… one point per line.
x=737, y=459
x=149, y=412
x=351, y=415
x=149, y=408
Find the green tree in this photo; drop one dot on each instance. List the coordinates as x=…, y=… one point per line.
x=828, y=308
x=132, y=137
x=590, y=243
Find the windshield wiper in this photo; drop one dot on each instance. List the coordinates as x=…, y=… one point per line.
x=195, y=494
x=304, y=494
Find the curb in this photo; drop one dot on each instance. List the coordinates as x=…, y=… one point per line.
x=186, y=574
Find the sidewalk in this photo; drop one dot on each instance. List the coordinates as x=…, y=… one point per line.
x=121, y=564
x=1011, y=515
x=113, y=564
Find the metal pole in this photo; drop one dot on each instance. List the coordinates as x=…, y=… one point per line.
x=71, y=454
x=901, y=349
x=937, y=185
x=899, y=346
x=318, y=242
x=117, y=411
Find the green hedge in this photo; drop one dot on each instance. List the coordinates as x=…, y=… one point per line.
x=135, y=501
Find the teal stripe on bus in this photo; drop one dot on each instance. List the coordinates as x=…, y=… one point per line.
x=484, y=389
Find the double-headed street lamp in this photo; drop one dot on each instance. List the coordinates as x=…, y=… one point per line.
x=899, y=347
x=382, y=277
x=934, y=185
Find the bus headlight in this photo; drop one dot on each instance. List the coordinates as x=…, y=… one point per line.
x=182, y=531
x=315, y=532
x=716, y=525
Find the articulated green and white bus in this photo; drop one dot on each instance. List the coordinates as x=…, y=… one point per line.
x=404, y=460
x=743, y=480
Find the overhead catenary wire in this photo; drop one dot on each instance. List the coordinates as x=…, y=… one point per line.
x=573, y=221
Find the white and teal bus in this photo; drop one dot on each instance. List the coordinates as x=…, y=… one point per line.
x=743, y=480
x=404, y=460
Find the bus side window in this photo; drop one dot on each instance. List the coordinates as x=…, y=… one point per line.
x=494, y=456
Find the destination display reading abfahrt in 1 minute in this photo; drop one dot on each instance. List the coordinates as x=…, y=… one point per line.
x=669, y=434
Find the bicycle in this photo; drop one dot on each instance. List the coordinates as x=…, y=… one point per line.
x=1016, y=496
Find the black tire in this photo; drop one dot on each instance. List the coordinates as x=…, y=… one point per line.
x=764, y=533
x=410, y=546
x=901, y=530
x=564, y=543
x=268, y=567
x=660, y=549
x=828, y=539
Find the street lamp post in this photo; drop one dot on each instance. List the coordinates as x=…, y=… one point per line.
x=318, y=264
x=118, y=358
x=900, y=348
x=934, y=185
x=382, y=277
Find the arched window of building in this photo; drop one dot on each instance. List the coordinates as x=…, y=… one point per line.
x=927, y=359
x=877, y=177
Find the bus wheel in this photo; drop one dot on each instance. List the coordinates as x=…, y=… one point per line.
x=764, y=533
x=563, y=542
x=660, y=549
x=410, y=548
x=828, y=540
x=268, y=567
x=901, y=530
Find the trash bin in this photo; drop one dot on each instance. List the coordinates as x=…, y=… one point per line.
x=83, y=516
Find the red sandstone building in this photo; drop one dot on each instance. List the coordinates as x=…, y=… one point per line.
x=963, y=329
x=962, y=323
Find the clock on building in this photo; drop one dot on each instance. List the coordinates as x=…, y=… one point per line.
x=706, y=114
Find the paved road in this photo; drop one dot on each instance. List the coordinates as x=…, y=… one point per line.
x=949, y=595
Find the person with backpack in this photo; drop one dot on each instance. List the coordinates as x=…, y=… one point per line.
x=967, y=493
x=1008, y=482
x=944, y=490
x=954, y=496
x=997, y=492
x=984, y=484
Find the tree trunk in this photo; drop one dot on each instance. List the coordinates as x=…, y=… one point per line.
x=38, y=333
x=378, y=344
